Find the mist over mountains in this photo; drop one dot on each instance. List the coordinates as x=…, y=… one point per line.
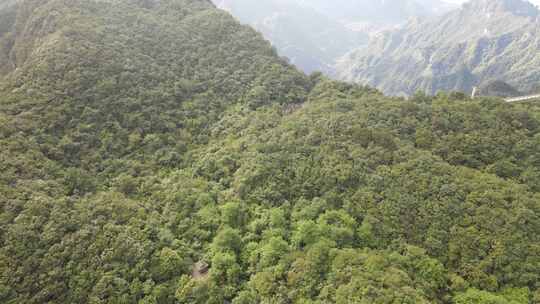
x=403, y=46
x=309, y=38
x=378, y=11
x=313, y=34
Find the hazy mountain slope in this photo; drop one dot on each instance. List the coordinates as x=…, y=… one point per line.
x=7, y=3
x=7, y=21
x=378, y=11
x=483, y=41
x=313, y=34
x=309, y=38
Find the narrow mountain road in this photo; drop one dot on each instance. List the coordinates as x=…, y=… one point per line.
x=522, y=98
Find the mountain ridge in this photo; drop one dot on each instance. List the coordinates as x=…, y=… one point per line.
x=517, y=7
x=457, y=51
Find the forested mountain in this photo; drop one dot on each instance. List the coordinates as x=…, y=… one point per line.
x=157, y=151
x=485, y=40
x=313, y=34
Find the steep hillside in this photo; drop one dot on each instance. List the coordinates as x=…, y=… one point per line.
x=101, y=95
x=94, y=71
x=481, y=42
x=158, y=151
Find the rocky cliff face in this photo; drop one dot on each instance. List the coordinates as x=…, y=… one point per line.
x=483, y=41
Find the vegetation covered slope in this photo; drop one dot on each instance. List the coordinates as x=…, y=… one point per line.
x=485, y=40
x=140, y=138
x=499, y=88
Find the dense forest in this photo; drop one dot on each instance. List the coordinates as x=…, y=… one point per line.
x=157, y=151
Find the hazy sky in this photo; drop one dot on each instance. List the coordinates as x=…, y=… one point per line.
x=461, y=1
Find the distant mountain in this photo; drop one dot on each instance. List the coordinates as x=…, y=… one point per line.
x=7, y=3
x=310, y=39
x=7, y=21
x=314, y=33
x=379, y=11
x=482, y=41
